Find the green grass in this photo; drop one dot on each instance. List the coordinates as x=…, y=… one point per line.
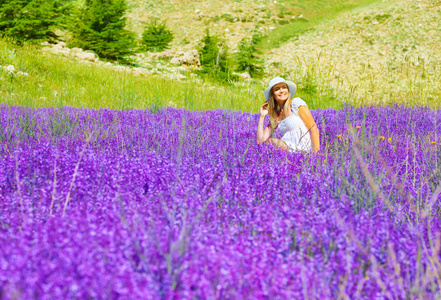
x=313, y=13
x=55, y=81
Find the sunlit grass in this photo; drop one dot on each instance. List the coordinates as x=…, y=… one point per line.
x=312, y=13
x=387, y=85
x=58, y=81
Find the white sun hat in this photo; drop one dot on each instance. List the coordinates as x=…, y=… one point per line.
x=291, y=86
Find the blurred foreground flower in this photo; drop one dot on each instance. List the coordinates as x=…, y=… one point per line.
x=382, y=138
x=389, y=139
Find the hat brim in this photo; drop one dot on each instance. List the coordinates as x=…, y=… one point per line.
x=291, y=86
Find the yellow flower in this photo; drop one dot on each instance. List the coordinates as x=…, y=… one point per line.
x=382, y=138
x=358, y=127
x=339, y=136
x=389, y=139
x=433, y=143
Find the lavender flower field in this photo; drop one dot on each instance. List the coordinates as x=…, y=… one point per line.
x=175, y=204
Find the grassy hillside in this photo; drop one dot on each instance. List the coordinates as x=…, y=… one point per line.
x=234, y=19
x=58, y=81
x=360, y=52
x=45, y=80
x=381, y=54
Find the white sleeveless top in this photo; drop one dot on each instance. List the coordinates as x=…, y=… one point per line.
x=293, y=130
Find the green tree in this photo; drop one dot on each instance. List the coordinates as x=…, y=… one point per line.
x=248, y=59
x=63, y=12
x=214, y=59
x=99, y=26
x=156, y=36
x=27, y=20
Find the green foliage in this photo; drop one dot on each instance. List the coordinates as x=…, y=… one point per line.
x=214, y=59
x=27, y=125
x=382, y=18
x=156, y=36
x=248, y=56
x=229, y=18
x=209, y=51
x=62, y=124
x=99, y=25
x=63, y=12
x=27, y=20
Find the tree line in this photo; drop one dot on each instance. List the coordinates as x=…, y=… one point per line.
x=100, y=26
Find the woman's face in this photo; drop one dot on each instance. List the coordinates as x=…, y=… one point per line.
x=280, y=92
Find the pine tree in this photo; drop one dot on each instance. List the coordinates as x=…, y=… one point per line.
x=99, y=26
x=214, y=58
x=63, y=12
x=248, y=56
x=156, y=36
x=209, y=52
x=27, y=20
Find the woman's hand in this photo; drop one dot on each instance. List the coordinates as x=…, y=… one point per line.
x=264, y=109
x=263, y=134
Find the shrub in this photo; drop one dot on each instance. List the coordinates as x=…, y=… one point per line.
x=248, y=56
x=63, y=13
x=27, y=20
x=156, y=36
x=99, y=26
x=214, y=59
x=229, y=18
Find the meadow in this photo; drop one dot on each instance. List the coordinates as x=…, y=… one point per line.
x=114, y=185
x=56, y=81
x=279, y=21
x=170, y=203
x=382, y=54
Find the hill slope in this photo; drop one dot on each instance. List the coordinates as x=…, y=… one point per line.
x=234, y=19
x=357, y=51
x=386, y=52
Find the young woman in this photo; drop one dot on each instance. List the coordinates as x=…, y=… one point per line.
x=291, y=116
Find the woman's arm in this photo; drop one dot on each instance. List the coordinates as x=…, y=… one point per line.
x=263, y=134
x=306, y=116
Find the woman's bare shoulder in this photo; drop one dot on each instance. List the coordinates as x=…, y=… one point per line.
x=296, y=103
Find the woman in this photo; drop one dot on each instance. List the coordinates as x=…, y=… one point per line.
x=291, y=116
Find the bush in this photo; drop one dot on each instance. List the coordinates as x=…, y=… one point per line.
x=156, y=36
x=248, y=56
x=27, y=20
x=63, y=13
x=99, y=26
x=214, y=59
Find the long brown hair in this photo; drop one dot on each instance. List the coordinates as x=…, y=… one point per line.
x=274, y=109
